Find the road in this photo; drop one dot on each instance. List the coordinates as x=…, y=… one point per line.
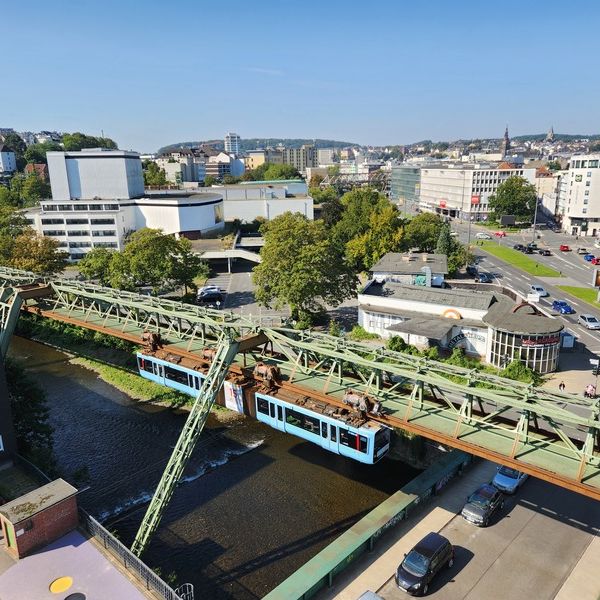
x=570, y=264
x=527, y=552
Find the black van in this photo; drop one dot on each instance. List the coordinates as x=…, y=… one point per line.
x=423, y=562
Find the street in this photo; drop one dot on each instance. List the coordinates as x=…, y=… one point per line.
x=527, y=552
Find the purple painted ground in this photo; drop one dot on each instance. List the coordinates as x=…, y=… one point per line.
x=74, y=556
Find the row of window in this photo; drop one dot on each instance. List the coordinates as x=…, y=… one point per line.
x=78, y=221
x=584, y=164
x=80, y=233
x=62, y=207
x=313, y=425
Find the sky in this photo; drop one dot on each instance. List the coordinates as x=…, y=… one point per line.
x=153, y=73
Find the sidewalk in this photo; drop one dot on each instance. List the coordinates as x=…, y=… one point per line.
x=373, y=569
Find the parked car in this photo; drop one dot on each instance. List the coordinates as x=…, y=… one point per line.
x=589, y=257
x=582, y=251
x=508, y=480
x=519, y=247
x=472, y=270
x=589, y=321
x=532, y=245
x=483, y=236
x=500, y=234
x=211, y=300
x=538, y=289
x=529, y=250
x=595, y=261
x=208, y=289
x=563, y=307
x=564, y=248
x=423, y=562
x=369, y=595
x=482, y=504
x=454, y=234
x=484, y=278
x=545, y=252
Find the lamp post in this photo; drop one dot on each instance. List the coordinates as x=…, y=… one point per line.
x=535, y=218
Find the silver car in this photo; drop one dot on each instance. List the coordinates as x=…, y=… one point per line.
x=589, y=321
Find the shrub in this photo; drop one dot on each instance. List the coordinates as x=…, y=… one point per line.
x=359, y=333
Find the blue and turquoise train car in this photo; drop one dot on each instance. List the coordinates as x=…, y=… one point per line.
x=366, y=443
x=168, y=374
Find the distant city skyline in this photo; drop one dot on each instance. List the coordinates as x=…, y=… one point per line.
x=394, y=74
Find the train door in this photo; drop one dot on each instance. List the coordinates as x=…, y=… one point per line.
x=332, y=439
x=279, y=417
x=159, y=371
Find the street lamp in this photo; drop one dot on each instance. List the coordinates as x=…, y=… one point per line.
x=535, y=217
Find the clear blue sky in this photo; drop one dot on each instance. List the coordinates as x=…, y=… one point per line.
x=386, y=72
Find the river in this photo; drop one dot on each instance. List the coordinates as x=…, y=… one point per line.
x=255, y=503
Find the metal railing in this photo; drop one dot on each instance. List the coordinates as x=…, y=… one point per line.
x=142, y=572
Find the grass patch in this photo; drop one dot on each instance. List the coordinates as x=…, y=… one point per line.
x=133, y=385
x=588, y=295
x=518, y=259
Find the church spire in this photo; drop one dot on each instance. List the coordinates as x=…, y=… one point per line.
x=505, y=147
x=550, y=135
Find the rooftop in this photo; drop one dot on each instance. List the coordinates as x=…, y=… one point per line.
x=526, y=320
x=429, y=326
x=410, y=264
x=418, y=293
x=26, y=506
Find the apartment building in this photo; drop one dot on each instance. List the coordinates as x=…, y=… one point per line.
x=232, y=143
x=579, y=196
x=256, y=158
x=300, y=158
x=8, y=161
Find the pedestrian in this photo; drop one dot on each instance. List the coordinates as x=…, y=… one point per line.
x=561, y=386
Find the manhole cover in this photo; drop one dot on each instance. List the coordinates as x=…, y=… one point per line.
x=76, y=596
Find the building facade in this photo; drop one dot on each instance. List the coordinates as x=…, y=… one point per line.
x=8, y=161
x=300, y=158
x=232, y=143
x=579, y=196
x=326, y=156
x=405, y=186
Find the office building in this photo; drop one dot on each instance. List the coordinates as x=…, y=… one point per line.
x=232, y=143
x=8, y=161
x=579, y=196
x=326, y=156
x=224, y=164
x=405, y=186
x=300, y=158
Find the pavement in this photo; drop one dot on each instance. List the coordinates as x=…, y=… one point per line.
x=543, y=545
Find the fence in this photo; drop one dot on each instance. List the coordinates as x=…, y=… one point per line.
x=142, y=572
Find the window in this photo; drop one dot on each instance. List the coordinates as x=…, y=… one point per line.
x=280, y=413
x=111, y=207
x=95, y=206
x=77, y=233
x=80, y=244
x=81, y=207
x=104, y=233
x=105, y=244
x=584, y=211
x=102, y=221
x=77, y=221
x=272, y=410
x=324, y=429
x=587, y=192
x=589, y=173
x=53, y=233
x=593, y=164
x=53, y=221
x=176, y=375
x=333, y=432
x=587, y=183
x=353, y=440
x=65, y=207
x=298, y=419
x=49, y=207
x=77, y=255
x=144, y=364
x=262, y=406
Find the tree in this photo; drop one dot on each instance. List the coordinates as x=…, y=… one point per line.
x=385, y=234
x=301, y=267
x=230, y=179
x=24, y=191
x=274, y=172
x=332, y=208
x=12, y=225
x=37, y=253
x=458, y=257
x=423, y=231
x=516, y=196
x=444, y=243
x=15, y=143
x=210, y=180
x=96, y=264
x=36, y=153
x=78, y=141
x=316, y=180
x=554, y=165
x=187, y=265
x=333, y=170
x=154, y=175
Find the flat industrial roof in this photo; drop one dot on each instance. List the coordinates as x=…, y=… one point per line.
x=36, y=501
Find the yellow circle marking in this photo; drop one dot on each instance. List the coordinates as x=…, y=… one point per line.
x=451, y=314
x=62, y=584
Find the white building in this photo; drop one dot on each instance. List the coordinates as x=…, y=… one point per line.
x=95, y=173
x=232, y=143
x=579, y=196
x=326, y=157
x=224, y=164
x=98, y=198
x=8, y=161
x=463, y=190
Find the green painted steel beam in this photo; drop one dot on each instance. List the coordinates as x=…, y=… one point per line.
x=10, y=308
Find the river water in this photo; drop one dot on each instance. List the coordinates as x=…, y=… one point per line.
x=255, y=504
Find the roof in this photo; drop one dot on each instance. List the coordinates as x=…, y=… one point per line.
x=428, y=326
x=504, y=316
x=408, y=264
x=430, y=544
x=458, y=298
x=35, y=502
x=5, y=148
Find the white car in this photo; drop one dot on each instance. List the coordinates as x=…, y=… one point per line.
x=483, y=236
x=589, y=321
x=539, y=290
x=208, y=289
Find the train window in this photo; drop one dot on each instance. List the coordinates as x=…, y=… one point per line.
x=145, y=364
x=362, y=442
x=353, y=440
x=382, y=438
x=176, y=375
x=262, y=406
x=272, y=406
x=280, y=413
x=324, y=430
x=303, y=421
x=333, y=433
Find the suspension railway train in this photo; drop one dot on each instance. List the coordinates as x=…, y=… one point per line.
x=340, y=431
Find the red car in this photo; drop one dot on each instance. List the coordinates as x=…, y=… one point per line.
x=564, y=248
x=500, y=234
x=595, y=261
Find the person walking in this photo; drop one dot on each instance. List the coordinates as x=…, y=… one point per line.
x=561, y=386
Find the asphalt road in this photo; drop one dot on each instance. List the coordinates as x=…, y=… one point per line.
x=527, y=552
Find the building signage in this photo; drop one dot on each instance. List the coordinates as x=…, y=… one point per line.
x=475, y=199
x=442, y=204
x=544, y=341
x=578, y=177
x=471, y=335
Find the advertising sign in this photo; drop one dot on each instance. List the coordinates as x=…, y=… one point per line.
x=234, y=396
x=475, y=199
x=442, y=204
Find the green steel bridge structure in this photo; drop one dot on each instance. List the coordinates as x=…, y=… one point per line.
x=552, y=436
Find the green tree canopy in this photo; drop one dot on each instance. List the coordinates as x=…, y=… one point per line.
x=96, y=264
x=12, y=225
x=24, y=191
x=37, y=253
x=554, y=165
x=78, y=141
x=444, y=243
x=15, y=143
x=385, y=234
x=301, y=267
x=36, y=153
x=516, y=196
x=210, y=180
x=423, y=231
x=271, y=172
x=153, y=174
x=332, y=208
x=186, y=265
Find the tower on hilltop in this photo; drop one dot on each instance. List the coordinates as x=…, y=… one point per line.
x=550, y=135
x=505, y=147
